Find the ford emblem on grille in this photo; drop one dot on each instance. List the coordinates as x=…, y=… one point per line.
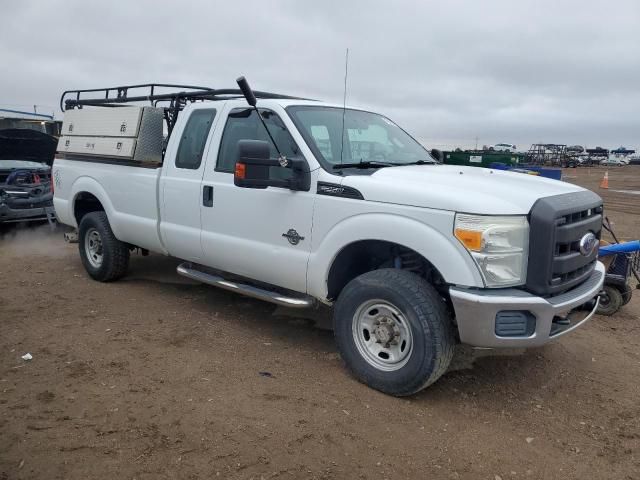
x=587, y=244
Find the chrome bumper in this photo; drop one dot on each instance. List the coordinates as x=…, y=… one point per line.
x=476, y=312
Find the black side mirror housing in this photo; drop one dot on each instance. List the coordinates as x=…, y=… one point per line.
x=254, y=164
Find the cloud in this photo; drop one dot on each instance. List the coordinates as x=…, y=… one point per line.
x=518, y=72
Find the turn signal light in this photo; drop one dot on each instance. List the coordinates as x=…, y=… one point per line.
x=241, y=170
x=470, y=238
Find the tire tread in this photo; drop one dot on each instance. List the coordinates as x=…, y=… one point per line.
x=118, y=252
x=431, y=312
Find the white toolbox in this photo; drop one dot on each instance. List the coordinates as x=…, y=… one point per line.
x=121, y=133
x=105, y=146
x=103, y=122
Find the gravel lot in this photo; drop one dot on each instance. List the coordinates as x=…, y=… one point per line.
x=156, y=377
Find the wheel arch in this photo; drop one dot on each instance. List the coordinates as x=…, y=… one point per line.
x=364, y=234
x=84, y=203
x=364, y=256
x=89, y=196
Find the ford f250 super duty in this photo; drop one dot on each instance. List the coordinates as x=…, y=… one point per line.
x=298, y=202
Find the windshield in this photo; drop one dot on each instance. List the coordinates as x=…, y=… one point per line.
x=368, y=137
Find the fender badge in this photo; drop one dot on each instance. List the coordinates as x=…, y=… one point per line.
x=293, y=237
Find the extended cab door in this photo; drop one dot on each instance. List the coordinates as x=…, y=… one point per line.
x=180, y=185
x=262, y=234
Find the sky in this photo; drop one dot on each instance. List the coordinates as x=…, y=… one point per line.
x=452, y=73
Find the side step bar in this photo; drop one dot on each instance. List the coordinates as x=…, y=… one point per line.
x=187, y=270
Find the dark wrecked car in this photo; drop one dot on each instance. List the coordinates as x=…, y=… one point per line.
x=25, y=176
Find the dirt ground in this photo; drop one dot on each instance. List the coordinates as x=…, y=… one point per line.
x=155, y=377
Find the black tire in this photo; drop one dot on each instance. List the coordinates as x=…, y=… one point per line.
x=420, y=305
x=610, y=301
x=115, y=254
x=627, y=293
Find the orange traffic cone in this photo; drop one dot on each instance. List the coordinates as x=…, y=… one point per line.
x=605, y=180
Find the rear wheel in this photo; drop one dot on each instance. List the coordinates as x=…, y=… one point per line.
x=105, y=258
x=610, y=301
x=393, y=331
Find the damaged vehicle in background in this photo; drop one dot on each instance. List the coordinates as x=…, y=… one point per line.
x=27, y=147
x=25, y=191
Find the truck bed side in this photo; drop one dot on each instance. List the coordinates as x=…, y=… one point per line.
x=128, y=195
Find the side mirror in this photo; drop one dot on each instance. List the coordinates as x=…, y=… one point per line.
x=254, y=163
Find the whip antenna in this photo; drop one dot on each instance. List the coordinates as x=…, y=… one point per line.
x=344, y=100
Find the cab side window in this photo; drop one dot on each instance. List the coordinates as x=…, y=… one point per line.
x=244, y=124
x=194, y=139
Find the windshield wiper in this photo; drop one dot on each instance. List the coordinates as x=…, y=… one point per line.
x=421, y=162
x=364, y=164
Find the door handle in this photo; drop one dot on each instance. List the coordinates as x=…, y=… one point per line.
x=207, y=196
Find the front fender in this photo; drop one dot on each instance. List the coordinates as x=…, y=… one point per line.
x=442, y=250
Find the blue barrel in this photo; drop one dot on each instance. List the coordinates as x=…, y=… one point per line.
x=547, y=172
x=626, y=247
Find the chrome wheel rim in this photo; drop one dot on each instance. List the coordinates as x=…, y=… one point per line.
x=382, y=335
x=93, y=247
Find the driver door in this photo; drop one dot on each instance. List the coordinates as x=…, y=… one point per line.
x=261, y=234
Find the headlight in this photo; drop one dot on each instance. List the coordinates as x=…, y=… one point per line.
x=498, y=244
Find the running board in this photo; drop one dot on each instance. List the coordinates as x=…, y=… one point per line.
x=187, y=270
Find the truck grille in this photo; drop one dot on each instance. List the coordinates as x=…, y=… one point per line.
x=557, y=224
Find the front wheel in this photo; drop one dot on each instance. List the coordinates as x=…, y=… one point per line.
x=105, y=258
x=393, y=331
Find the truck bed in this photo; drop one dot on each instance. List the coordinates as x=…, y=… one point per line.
x=132, y=205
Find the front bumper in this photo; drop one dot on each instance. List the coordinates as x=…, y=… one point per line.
x=8, y=214
x=476, y=312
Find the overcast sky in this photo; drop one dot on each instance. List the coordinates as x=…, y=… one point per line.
x=448, y=71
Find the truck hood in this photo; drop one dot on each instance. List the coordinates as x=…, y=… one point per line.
x=457, y=188
x=26, y=144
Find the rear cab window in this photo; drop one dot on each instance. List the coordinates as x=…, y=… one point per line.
x=194, y=138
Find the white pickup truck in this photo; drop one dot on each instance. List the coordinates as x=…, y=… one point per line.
x=298, y=202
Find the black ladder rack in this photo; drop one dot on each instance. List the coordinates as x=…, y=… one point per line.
x=177, y=99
